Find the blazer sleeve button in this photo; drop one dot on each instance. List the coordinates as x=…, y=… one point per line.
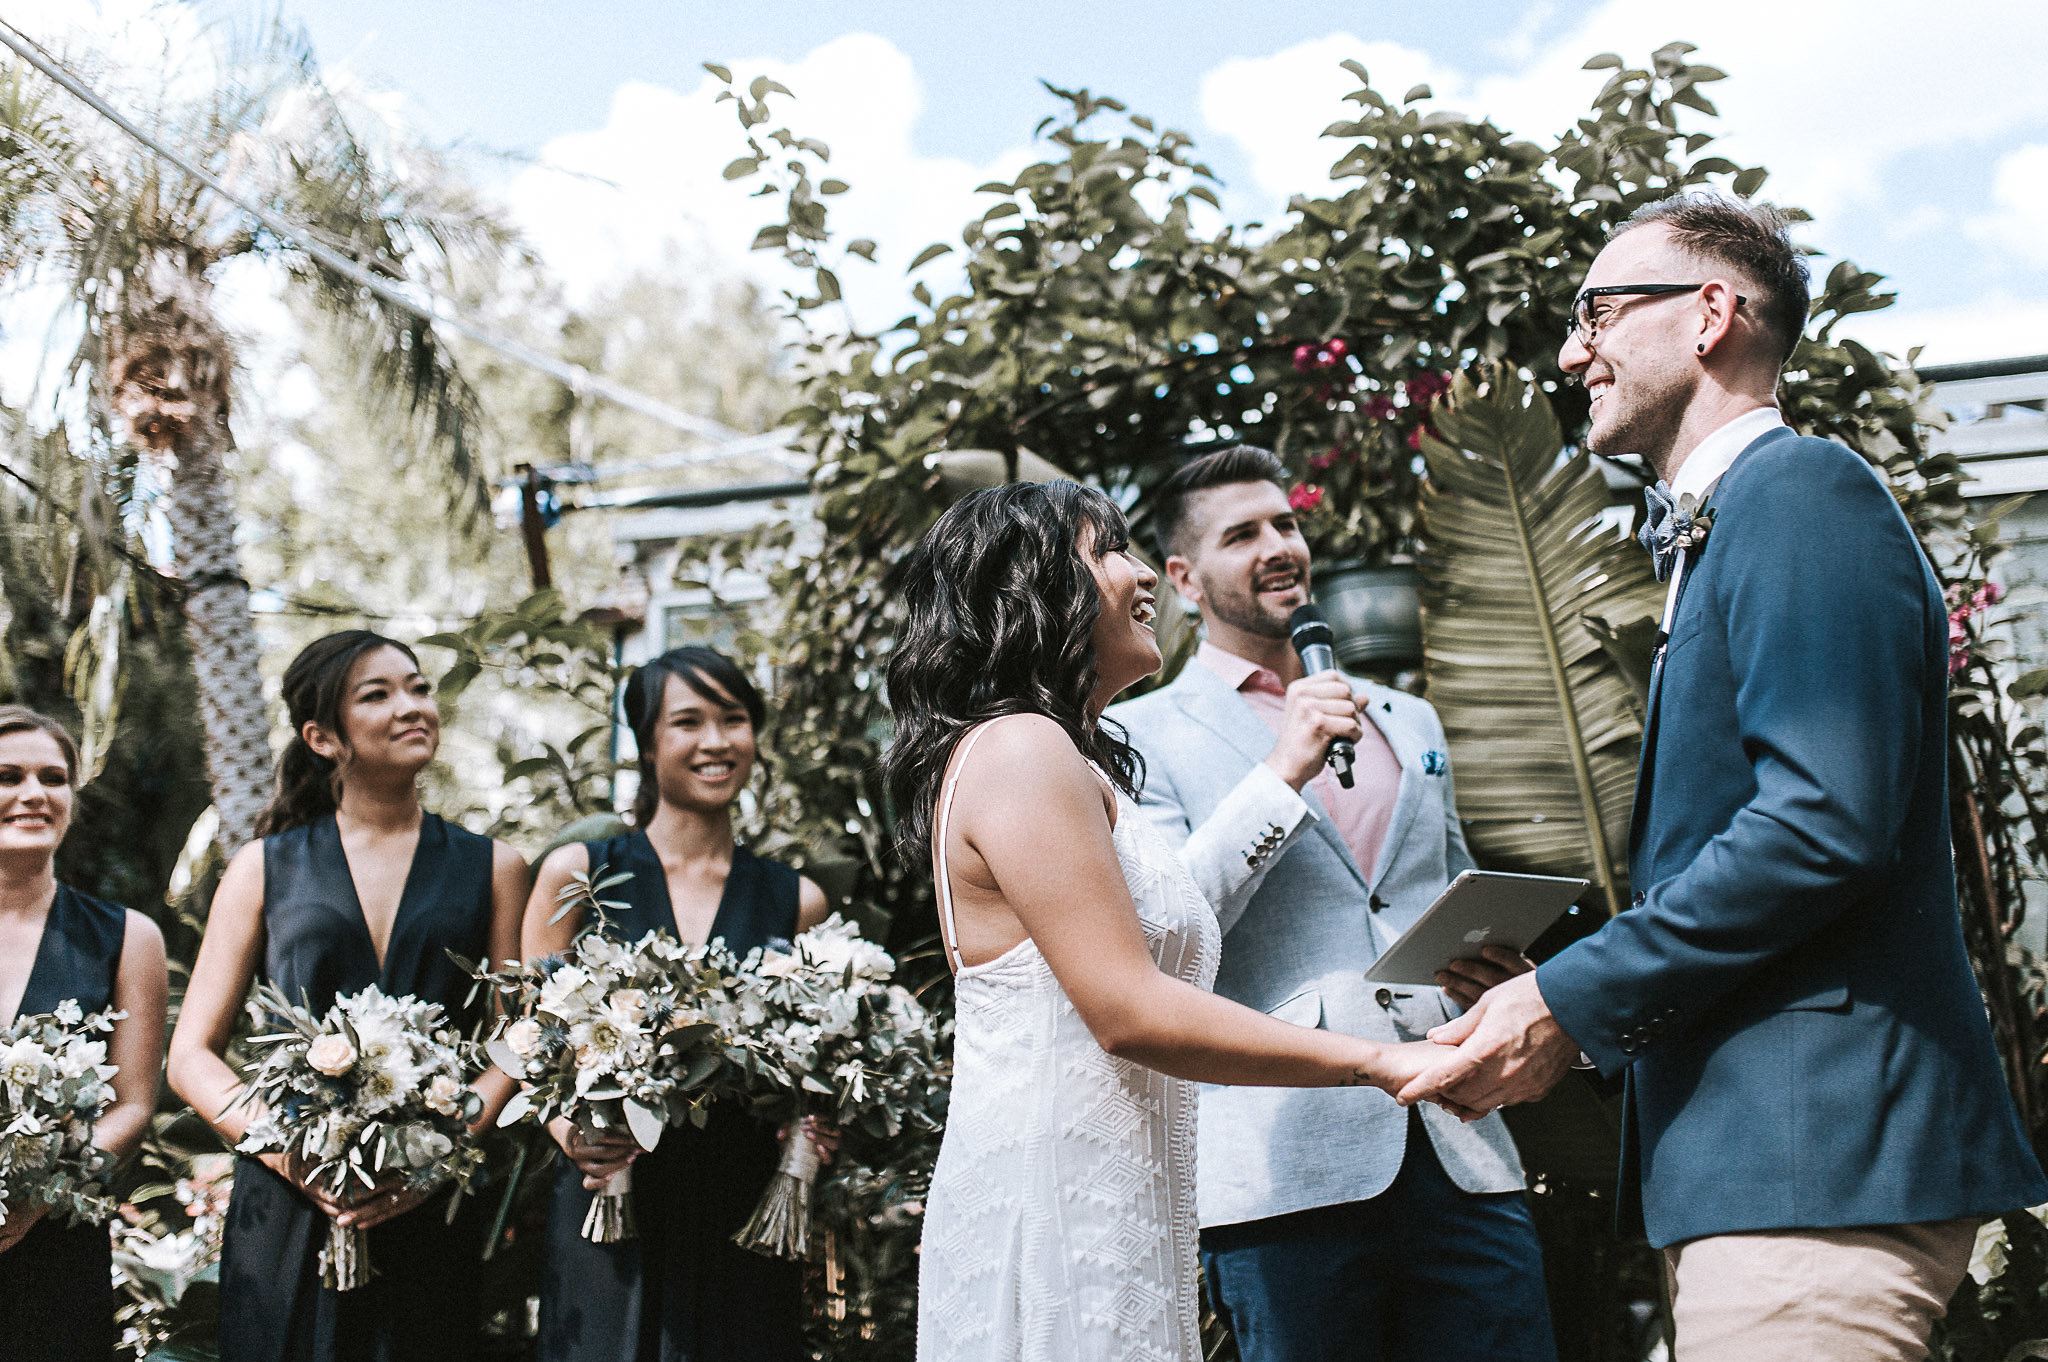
x=1384, y=997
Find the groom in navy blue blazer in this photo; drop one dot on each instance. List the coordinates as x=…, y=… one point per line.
x=1816, y=1121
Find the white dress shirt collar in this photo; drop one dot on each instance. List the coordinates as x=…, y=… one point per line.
x=1712, y=456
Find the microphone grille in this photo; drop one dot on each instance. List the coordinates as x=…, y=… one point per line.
x=1307, y=625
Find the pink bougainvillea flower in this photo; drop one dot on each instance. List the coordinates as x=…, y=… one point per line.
x=1304, y=496
x=1304, y=358
x=1425, y=387
x=1379, y=407
x=1321, y=463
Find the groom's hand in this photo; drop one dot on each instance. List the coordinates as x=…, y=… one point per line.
x=1509, y=1049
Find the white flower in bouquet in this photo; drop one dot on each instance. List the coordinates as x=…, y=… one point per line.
x=444, y=1095
x=835, y=946
x=374, y=1089
x=614, y=1036
x=331, y=1054
x=55, y=1084
x=23, y=1063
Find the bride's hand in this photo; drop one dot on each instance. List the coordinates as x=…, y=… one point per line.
x=1393, y=1067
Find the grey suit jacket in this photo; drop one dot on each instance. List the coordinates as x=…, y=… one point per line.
x=1298, y=936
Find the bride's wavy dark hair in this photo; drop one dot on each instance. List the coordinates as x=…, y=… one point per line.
x=1001, y=616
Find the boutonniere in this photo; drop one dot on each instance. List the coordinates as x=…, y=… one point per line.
x=1694, y=519
x=1435, y=763
x=1673, y=526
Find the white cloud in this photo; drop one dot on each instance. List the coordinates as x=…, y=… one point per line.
x=627, y=193
x=1995, y=326
x=1276, y=107
x=2018, y=220
x=1829, y=93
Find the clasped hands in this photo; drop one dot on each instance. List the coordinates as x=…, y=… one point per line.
x=1505, y=1048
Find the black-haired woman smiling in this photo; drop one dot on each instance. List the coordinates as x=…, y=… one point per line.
x=353, y=884
x=681, y=1291
x=56, y=946
x=1061, y=1223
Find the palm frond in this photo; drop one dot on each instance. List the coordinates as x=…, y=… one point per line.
x=1544, y=723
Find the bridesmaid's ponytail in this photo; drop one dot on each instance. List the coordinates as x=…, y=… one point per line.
x=707, y=671
x=308, y=784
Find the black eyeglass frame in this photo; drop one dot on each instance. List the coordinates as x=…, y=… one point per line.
x=1585, y=330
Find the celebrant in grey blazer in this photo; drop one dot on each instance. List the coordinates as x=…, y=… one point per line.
x=1334, y=1223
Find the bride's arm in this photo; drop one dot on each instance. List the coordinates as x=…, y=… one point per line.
x=1036, y=816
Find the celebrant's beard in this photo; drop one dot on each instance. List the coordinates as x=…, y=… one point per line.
x=1239, y=608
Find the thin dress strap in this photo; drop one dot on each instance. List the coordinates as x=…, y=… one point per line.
x=949, y=931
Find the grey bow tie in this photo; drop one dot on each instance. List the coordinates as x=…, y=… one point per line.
x=1667, y=526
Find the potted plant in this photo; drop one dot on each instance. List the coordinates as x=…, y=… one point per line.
x=1356, y=499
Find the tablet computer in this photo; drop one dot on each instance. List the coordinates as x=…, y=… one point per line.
x=1481, y=908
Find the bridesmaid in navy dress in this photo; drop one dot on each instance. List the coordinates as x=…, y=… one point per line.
x=352, y=884
x=681, y=1291
x=58, y=945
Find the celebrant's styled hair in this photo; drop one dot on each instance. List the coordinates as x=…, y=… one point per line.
x=1000, y=613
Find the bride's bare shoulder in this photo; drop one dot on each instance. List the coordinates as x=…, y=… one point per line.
x=1023, y=754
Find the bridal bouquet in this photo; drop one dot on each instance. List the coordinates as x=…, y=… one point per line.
x=819, y=1031
x=55, y=1084
x=373, y=1090
x=614, y=1036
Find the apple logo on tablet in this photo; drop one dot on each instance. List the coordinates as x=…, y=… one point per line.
x=1473, y=938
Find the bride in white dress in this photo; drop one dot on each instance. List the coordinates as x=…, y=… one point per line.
x=1061, y=1221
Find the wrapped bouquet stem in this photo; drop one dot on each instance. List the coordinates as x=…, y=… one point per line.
x=781, y=1224
x=610, y=1217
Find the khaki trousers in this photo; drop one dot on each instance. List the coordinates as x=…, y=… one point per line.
x=1870, y=1294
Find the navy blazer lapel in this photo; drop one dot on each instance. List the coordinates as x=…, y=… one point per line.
x=1646, y=760
x=1205, y=698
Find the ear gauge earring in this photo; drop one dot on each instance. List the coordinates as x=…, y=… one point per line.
x=1701, y=347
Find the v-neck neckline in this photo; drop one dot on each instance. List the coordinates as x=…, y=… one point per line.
x=38, y=959
x=668, y=902
x=406, y=893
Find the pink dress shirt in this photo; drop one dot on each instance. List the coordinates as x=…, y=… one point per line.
x=1359, y=815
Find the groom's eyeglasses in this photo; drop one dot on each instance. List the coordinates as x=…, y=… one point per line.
x=1587, y=319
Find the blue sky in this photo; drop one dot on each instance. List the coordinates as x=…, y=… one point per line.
x=1922, y=146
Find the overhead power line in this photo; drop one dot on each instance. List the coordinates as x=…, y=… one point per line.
x=578, y=379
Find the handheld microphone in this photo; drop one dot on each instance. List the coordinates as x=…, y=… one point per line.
x=1316, y=646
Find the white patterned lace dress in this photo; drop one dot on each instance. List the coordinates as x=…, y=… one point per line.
x=1061, y=1221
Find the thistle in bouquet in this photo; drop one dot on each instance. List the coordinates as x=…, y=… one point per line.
x=55, y=1084
x=614, y=1036
x=372, y=1095
x=821, y=1035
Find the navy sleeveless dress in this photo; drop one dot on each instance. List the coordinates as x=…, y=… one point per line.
x=56, y=1285
x=681, y=1291
x=422, y=1301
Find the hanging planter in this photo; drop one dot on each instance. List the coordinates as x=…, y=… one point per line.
x=1375, y=612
